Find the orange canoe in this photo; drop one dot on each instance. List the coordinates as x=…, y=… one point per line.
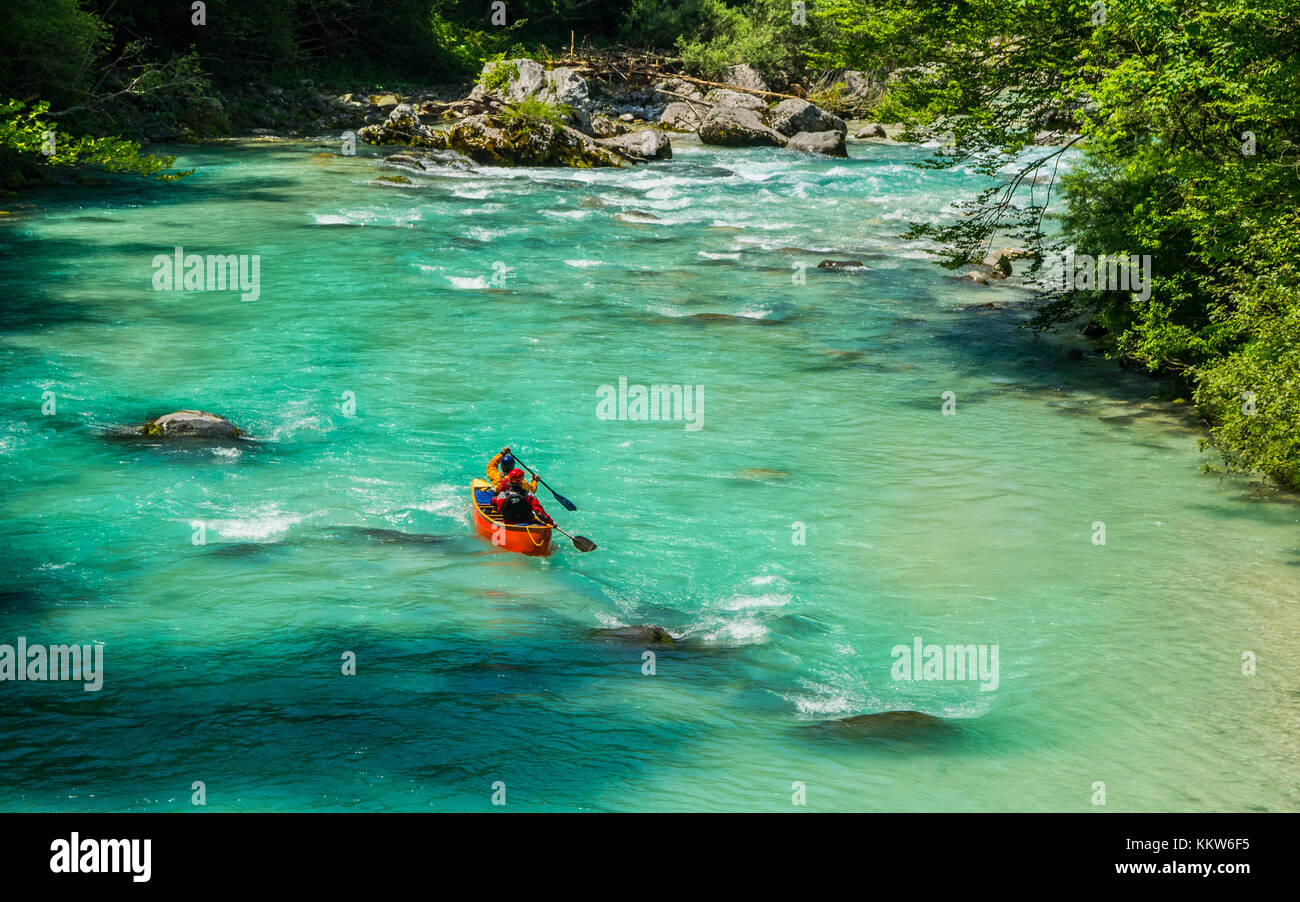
x=534, y=538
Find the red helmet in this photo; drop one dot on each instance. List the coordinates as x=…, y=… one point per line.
x=515, y=475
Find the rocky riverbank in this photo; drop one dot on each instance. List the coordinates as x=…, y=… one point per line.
x=521, y=113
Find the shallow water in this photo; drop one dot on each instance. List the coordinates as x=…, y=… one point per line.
x=476, y=309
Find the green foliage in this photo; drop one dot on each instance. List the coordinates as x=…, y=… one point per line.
x=1251, y=396
x=659, y=24
x=498, y=75
x=32, y=150
x=48, y=48
x=1165, y=94
x=758, y=32
x=531, y=113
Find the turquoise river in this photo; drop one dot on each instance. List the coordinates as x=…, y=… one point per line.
x=403, y=333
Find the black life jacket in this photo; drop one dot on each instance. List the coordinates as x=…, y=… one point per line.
x=514, y=505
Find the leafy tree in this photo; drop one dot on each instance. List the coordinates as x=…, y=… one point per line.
x=1185, y=115
x=33, y=150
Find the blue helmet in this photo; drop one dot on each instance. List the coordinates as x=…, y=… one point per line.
x=507, y=463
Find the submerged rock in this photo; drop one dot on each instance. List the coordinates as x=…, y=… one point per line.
x=431, y=160
x=190, y=424
x=655, y=635
x=840, y=264
x=894, y=724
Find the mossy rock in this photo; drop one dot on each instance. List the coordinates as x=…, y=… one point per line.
x=191, y=424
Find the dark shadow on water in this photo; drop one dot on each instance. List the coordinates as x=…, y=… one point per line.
x=31, y=300
x=385, y=536
x=426, y=723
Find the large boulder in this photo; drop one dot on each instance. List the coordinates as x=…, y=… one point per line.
x=190, y=424
x=735, y=127
x=745, y=76
x=402, y=127
x=641, y=146
x=829, y=144
x=563, y=85
x=486, y=140
x=510, y=81
x=727, y=97
x=793, y=116
x=679, y=117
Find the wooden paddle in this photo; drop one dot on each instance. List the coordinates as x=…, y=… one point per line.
x=582, y=543
x=568, y=505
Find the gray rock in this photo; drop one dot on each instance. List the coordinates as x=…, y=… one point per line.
x=679, y=117
x=605, y=128
x=829, y=144
x=728, y=126
x=191, y=424
x=483, y=140
x=671, y=89
x=563, y=85
x=727, y=97
x=402, y=127
x=793, y=115
x=872, y=130
x=404, y=159
x=1001, y=260
x=528, y=78
x=641, y=146
x=431, y=160
x=745, y=76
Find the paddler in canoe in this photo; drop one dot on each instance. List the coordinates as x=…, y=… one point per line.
x=514, y=496
x=506, y=511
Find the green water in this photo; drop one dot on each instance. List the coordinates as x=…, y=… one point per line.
x=1119, y=663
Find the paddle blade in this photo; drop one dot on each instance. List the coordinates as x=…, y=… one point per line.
x=582, y=543
x=568, y=505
